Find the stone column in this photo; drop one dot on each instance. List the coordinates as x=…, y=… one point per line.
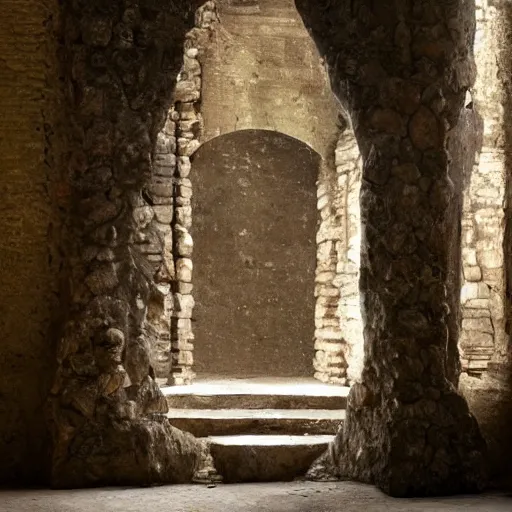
x=106, y=411
x=402, y=70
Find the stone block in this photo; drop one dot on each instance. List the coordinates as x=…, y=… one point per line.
x=469, y=256
x=163, y=213
x=184, y=242
x=472, y=274
x=329, y=334
x=470, y=339
x=325, y=277
x=184, y=166
x=477, y=304
x=482, y=324
x=492, y=258
x=475, y=313
x=182, y=358
x=184, y=269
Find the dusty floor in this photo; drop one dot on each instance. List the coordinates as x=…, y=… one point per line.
x=281, y=497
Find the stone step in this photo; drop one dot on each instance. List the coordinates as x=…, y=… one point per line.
x=224, y=422
x=265, y=458
x=257, y=394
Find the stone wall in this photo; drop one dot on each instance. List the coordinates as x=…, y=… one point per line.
x=485, y=344
x=483, y=336
x=338, y=325
x=233, y=79
x=262, y=71
x=164, y=221
x=32, y=295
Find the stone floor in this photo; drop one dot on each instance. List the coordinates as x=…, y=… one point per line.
x=275, y=497
x=223, y=385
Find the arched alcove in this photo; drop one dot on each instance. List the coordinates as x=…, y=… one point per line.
x=254, y=231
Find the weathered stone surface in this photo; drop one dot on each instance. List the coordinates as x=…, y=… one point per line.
x=407, y=429
x=106, y=410
x=265, y=462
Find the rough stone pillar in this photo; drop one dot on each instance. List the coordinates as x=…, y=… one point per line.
x=121, y=59
x=402, y=70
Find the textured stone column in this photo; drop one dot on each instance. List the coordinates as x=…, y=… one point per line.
x=402, y=70
x=121, y=58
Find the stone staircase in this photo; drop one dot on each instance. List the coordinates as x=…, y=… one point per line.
x=259, y=429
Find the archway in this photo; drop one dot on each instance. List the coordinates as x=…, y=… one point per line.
x=254, y=231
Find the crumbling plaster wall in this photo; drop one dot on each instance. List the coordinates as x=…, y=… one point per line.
x=30, y=255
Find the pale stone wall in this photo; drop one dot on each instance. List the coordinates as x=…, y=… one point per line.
x=486, y=241
x=338, y=325
x=262, y=71
x=483, y=336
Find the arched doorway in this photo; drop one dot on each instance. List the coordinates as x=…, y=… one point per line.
x=254, y=230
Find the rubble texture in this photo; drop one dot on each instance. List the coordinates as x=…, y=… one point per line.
x=106, y=411
x=402, y=71
x=485, y=344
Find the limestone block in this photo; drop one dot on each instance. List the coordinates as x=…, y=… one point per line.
x=184, y=306
x=182, y=344
x=184, y=242
x=474, y=291
x=329, y=334
x=476, y=339
x=496, y=306
x=184, y=216
x=325, y=277
x=184, y=269
x=163, y=213
x=187, y=147
x=335, y=346
x=494, y=277
x=323, y=202
x=478, y=304
x=186, y=91
x=163, y=144
x=475, y=313
x=482, y=324
x=472, y=273
x=492, y=258
x=184, y=166
x=469, y=256
x=185, y=288
x=182, y=358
